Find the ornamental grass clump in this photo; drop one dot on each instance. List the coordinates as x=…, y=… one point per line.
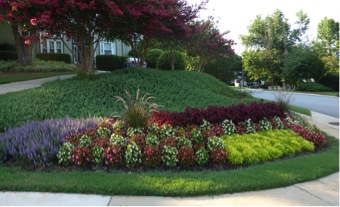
x=137, y=109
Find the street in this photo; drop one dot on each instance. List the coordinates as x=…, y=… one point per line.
x=327, y=105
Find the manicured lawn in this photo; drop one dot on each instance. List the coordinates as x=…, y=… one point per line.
x=206, y=182
x=6, y=77
x=174, y=91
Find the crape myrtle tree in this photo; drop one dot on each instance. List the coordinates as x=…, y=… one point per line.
x=85, y=21
x=23, y=18
x=207, y=42
x=269, y=41
x=82, y=20
x=146, y=22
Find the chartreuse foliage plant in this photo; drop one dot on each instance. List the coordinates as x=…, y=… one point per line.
x=264, y=146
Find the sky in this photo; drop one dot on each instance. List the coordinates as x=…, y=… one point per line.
x=235, y=16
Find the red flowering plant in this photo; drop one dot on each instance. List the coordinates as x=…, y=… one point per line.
x=139, y=139
x=219, y=156
x=113, y=155
x=169, y=141
x=314, y=136
x=218, y=129
x=186, y=156
x=151, y=156
x=81, y=156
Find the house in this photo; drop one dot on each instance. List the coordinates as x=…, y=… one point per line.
x=55, y=45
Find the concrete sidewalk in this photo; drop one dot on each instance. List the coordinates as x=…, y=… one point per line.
x=320, y=192
x=23, y=85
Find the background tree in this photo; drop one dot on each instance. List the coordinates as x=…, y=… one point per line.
x=224, y=68
x=207, y=42
x=327, y=44
x=146, y=22
x=22, y=16
x=303, y=63
x=269, y=41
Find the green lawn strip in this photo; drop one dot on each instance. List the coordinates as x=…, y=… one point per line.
x=257, y=177
x=327, y=93
x=9, y=78
x=174, y=91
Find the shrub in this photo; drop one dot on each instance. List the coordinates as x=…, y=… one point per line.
x=316, y=137
x=250, y=128
x=38, y=142
x=133, y=155
x=81, y=156
x=196, y=136
x=152, y=57
x=8, y=55
x=37, y=66
x=183, y=141
x=169, y=156
x=217, y=114
x=139, y=139
x=215, y=143
x=331, y=80
x=103, y=132
x=113, y=155
x=219, y=156
x=312, y=87
x=186, y=156
x=137, y=110
x=85, y=141
x=7, y=47
x=97, y=155
x=117, y=139
x=65, y=153
x=164, y=61
x=228, y=127
x=202, y=156
x=66, y=58
x=152, y=140
x=151, y=156
x=265, y=124
x=110, y=62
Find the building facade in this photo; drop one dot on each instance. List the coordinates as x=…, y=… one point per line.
x=56, y=45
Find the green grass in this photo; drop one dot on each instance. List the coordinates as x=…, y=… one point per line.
x=280, y=173
x=6, y=78
x=174, y=90
x=326, y=93
x=300, y=110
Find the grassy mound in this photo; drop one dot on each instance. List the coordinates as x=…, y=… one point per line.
x=174, y=90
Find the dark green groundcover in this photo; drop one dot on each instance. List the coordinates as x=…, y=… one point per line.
x=275, y=174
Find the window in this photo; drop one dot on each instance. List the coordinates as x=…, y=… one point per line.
x=107, y=48
x=51, y=46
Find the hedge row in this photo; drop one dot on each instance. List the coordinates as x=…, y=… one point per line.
x=110, y=62
x=216, y=114
x=54, y=57
x=8, y=55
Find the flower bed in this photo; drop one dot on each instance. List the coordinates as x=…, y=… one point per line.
x=183, y=143
x=39, y=142
x=194, y=145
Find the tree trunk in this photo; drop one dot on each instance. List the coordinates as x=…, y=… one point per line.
x=24, y=51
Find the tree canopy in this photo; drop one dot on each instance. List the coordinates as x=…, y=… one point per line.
x=269, y=41
x=327, y=44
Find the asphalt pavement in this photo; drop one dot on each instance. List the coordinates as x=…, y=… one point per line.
x=320, y=192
